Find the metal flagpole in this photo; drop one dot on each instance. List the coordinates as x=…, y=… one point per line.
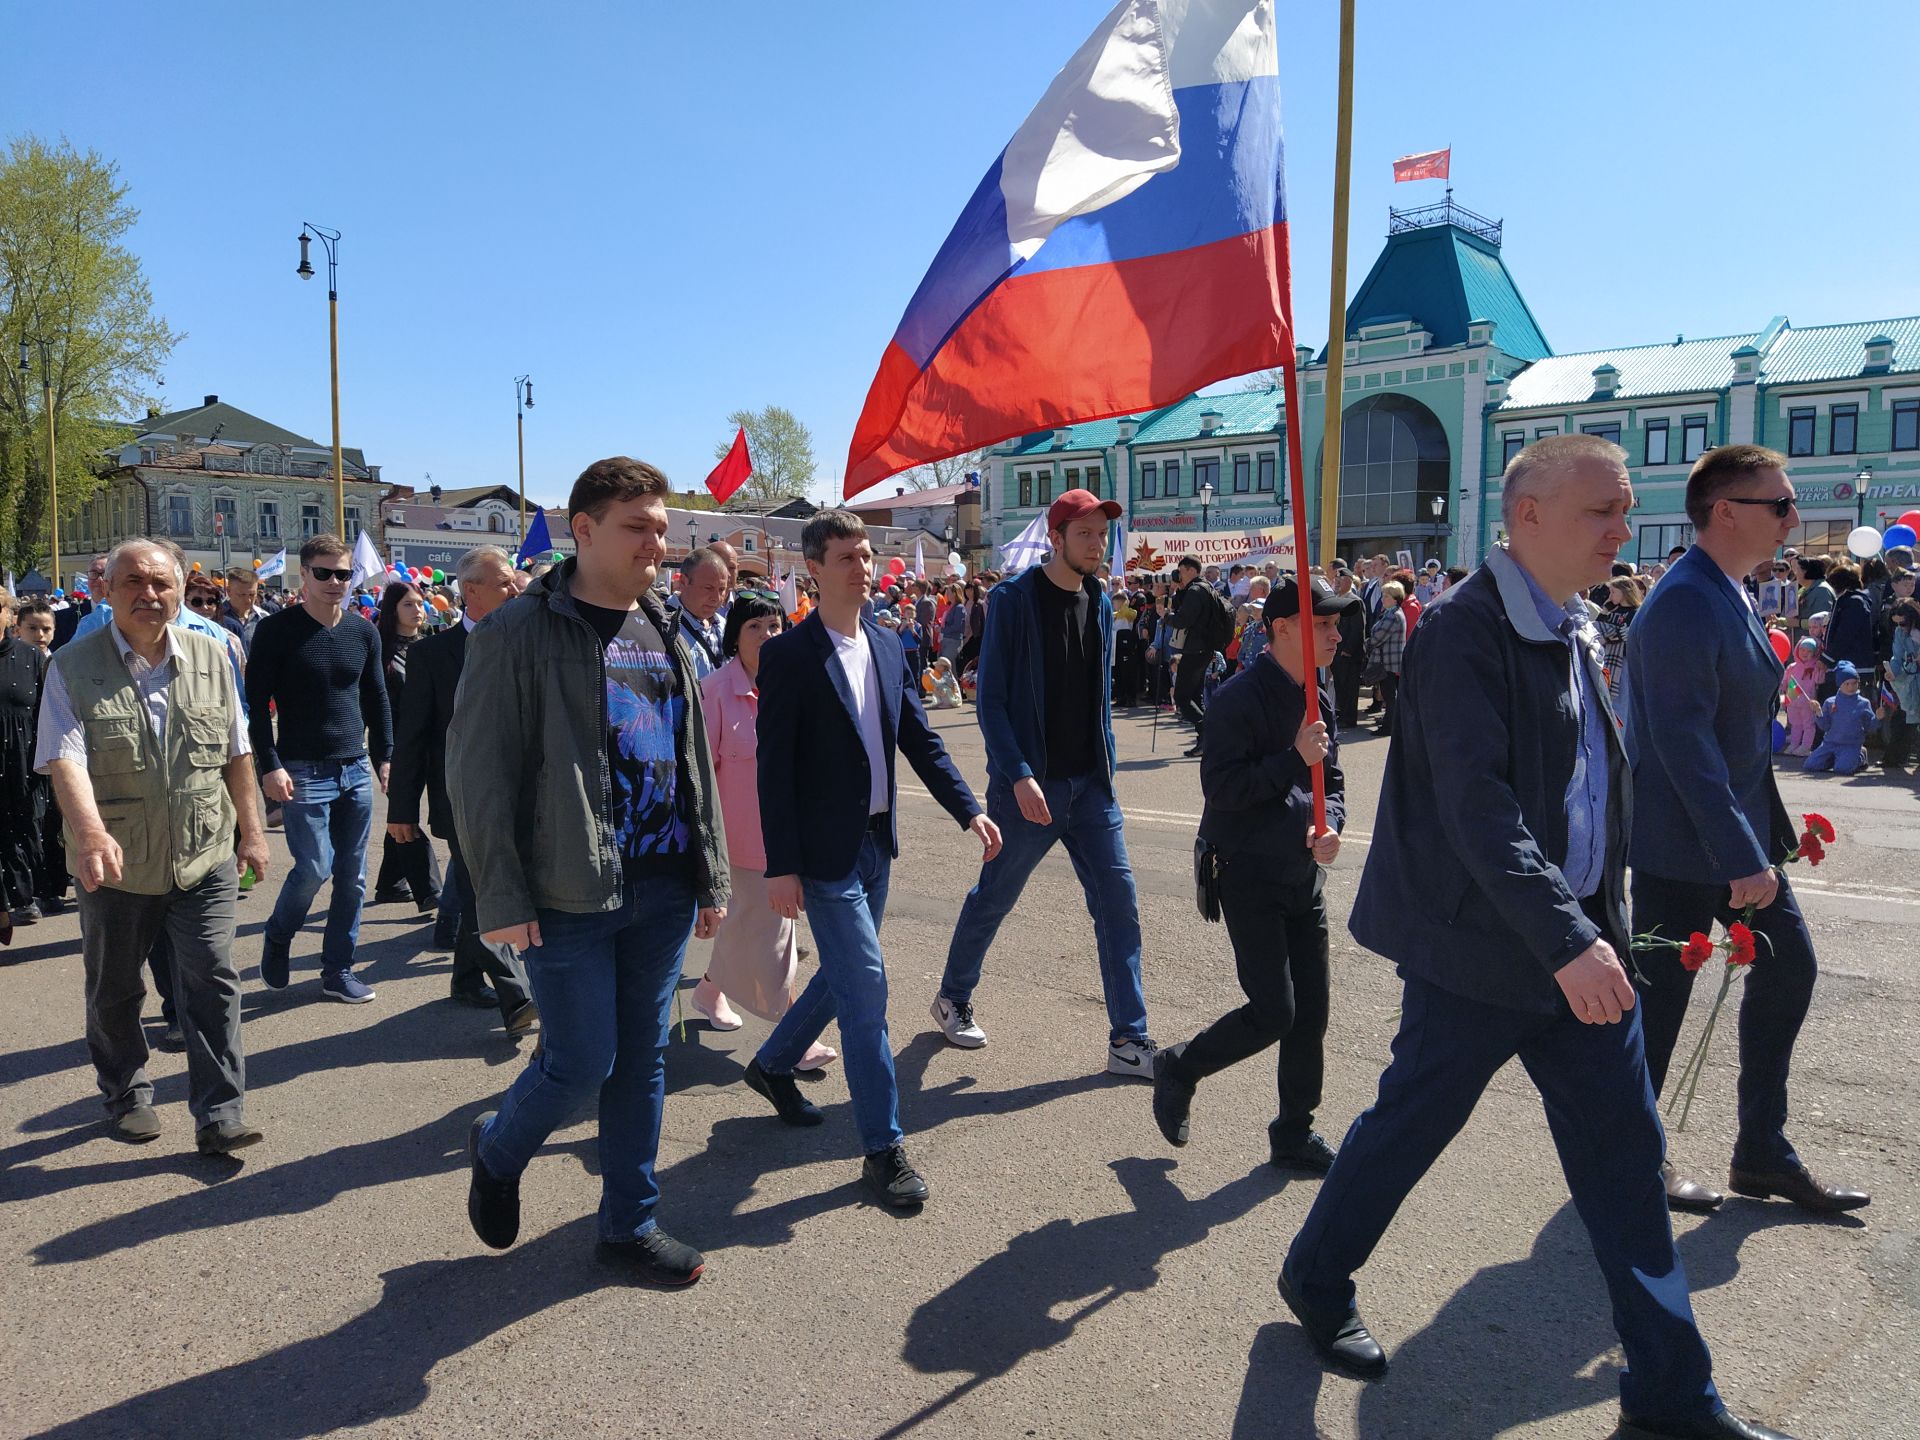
x=1337, y=300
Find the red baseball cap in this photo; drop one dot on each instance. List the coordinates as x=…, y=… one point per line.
x=1076, y=504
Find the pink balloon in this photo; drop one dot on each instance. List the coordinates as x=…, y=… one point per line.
x=1782, y=646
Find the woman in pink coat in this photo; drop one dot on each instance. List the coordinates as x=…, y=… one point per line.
x=755, y=956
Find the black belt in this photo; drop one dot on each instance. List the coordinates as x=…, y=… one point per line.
x=881, y=823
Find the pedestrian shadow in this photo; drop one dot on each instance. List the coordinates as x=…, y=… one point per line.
x=1004, y=1309
x=1518, y=1343
x=375, y=1367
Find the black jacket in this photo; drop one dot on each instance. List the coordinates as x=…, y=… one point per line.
x=1259, y=792
x=812, y=763
x=1483, y=742
x=421, y=718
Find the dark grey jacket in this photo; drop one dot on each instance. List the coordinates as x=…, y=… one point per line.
x=527, y=762
x=1483, y=742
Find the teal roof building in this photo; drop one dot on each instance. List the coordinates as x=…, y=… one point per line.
x=1448, y=373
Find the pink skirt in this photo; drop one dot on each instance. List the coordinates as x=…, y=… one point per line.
x=755, y=955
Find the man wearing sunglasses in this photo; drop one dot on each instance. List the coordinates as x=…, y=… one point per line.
x=1709, y=828
x=315, y=669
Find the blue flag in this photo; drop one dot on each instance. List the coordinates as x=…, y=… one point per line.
x=538, y=542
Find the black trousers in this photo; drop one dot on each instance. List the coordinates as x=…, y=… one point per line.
x=1773, y=1003
x=1189, y=684
x=1346, y=689
x=1279, y=932
x=475, y=961
x=414, y=862
x=1386, y=692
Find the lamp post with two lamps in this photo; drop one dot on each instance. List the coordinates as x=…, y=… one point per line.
x=53, y=472
x=522, y=402
x=330, y=241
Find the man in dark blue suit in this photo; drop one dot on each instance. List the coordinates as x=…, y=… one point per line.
x=1709, y=826
x=836, y=703
x=1508, y=935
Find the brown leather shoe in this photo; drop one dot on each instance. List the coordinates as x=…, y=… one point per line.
x=1800, y=1186
x=1687, y=1194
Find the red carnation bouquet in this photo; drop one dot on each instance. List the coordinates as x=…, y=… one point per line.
x=1739, y=946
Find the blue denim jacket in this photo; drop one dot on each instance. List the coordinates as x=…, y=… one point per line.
x=1011, y=697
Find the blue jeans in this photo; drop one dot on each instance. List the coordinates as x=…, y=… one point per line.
x=327, y=825
x=851, y=985
x=1593, y=1082
x=604, y=984
x=1086, y=819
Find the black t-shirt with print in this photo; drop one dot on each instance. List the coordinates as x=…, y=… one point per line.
x=644, y=709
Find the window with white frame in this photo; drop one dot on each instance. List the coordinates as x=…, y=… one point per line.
x=1512, y=442
x=1263, y=475
x=269, y=511
x=1655, y=452
x=1149, y=479
x=180, y=516
x=1906, y=425
x=309, y=521
x=1843, y=434
x=1170, y=479
x=1693, y=438
x=1243, y=474
x=353, y=522
x=1800, y=431
x=228, y=509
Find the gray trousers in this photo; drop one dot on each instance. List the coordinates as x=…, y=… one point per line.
x=117, y=929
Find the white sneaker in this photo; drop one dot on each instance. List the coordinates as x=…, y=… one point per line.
x=956, y=1022
x=1131, y=1057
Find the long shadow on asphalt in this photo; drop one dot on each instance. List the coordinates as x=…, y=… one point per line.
x=1518, y=1343
x=1002, y=1311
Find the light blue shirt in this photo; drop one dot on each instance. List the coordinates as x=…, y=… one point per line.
x=1586, y=863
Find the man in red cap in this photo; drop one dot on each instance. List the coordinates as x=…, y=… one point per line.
x=1045, y=708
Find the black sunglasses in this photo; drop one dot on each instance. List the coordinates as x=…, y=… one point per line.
x=1781, y=507
x=320, y=572
x=198, y=600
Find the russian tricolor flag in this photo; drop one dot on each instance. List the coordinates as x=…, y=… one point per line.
x=1128, y=246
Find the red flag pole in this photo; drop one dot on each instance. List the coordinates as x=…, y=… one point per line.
x=1297, y=494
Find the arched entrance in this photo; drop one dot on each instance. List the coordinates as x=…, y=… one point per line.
x=1394, y=463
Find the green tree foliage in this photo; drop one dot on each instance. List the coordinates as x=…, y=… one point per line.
x=67, y=280
x=782, y=450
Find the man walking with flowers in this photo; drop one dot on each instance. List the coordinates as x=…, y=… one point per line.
x=1709, y=828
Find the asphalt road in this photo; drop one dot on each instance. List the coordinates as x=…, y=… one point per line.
x=1070, y=1278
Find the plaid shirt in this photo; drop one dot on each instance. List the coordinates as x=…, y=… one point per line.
x=1389, y=641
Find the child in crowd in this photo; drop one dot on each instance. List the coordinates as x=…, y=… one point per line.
x=1799, y=685
x=938, y=682
x=1844, y=722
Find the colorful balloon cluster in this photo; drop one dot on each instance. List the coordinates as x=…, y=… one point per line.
x=1866, y=542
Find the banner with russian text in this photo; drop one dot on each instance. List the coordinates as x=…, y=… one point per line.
x=1163, y=549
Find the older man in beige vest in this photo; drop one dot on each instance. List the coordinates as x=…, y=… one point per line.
x=142, y=734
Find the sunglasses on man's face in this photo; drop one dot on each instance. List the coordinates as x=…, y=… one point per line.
x=320, y=572
x=1781, y=508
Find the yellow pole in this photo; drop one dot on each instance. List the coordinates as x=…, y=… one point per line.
x=333, y=360
x=53, y=466
x=1337, y=301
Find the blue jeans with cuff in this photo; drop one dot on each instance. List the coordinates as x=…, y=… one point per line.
x=604, y=984
x=851, y=986
x=1086, y=820
x=327, y=824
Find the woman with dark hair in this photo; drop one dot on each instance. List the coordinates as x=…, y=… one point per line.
x=409, y=870
x=976, y=626
x=23, y=799
x=1616, y=615
x=1850, y=634
x=755, y=956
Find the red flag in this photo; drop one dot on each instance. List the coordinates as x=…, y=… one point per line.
x=731, y=473
x=1432, y=165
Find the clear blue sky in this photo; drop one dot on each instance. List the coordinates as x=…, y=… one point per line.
x=668, y=212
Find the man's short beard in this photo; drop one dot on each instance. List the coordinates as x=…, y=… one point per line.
x=1083, y=571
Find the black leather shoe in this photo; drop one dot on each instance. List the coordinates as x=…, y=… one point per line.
x=1172, y=1096
x=792, y=1107
x=138, y=1124
x=223, y=1137
x=1686, y=1194
x=1724, y=1426
x=1798, y=1185
x=1194, y=751
x=480, y=997
x=891, y=1176
x=276, y=961
x=656, y=1257
x=393, y=895
x=493, y=1205
x=1313, y=1154
x=1342, y=1340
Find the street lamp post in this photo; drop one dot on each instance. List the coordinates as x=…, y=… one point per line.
x=1438, y=506
x=1459, y=519
x=522, y=402
x=1862, y=482
x=330, y=241
x=1206, y=504
x=53, y=470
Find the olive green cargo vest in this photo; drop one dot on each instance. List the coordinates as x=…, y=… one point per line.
x=165, y=802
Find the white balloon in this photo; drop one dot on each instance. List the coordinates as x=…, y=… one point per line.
x=1865, y=542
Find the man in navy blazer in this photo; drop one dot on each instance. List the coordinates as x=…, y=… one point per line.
x=1508, y=936
x=1709, y=827
x=836, y=703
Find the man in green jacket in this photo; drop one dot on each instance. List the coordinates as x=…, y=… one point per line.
x=583, y=795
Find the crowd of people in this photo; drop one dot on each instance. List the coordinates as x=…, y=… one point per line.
x=618, y=761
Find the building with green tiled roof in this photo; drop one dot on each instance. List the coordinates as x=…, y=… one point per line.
x=1448, y=373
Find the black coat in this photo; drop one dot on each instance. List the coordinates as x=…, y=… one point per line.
x=421, y=718
x=1259, y=791
x=1484, y=741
